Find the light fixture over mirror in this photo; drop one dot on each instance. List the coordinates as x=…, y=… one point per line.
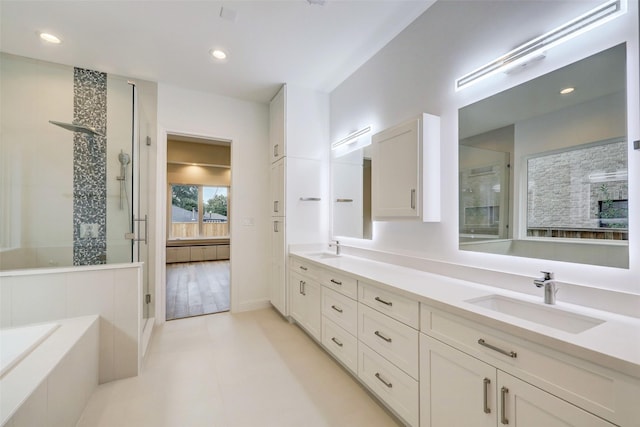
x=544, y=175
x=534, y=49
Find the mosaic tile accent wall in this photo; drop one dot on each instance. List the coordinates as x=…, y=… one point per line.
x=89, y=168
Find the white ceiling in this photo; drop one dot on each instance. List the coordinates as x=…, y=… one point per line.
x=270, y=42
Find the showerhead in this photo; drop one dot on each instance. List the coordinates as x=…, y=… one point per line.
x=124, y=158
x=75, y=127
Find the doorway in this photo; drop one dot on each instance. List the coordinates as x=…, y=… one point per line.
x=198, y=237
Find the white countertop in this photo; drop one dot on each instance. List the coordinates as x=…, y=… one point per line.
x=614, y=344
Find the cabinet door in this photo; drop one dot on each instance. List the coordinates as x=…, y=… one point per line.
x=297, y=301
x=278, y=188
x=456, y=390
x=277, y=125
x=396, y=171
x=523, y=405
x=278, y=285
x=313, y=304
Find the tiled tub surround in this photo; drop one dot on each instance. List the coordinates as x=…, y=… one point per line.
x=52, y=384
x=110, y=291
x=612, y=347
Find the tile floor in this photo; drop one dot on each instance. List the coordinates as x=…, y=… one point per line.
x=235, y=370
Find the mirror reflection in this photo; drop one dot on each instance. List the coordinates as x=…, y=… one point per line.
x=543, y=166
x=351, y=193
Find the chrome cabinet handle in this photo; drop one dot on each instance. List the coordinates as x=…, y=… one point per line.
x=383, y=381
x=337, y=282
x=486, y=382
x=413, y=198
x=338, y=343
x=310, y=199
x=503, y=411
x=275, y=226
x=339, y=310
x=302, y=267
x=511, y=354
x=344, y=200
x=387, y=339
x=276, y=206
x=275, y=150
x=302, y=290
x=389, y=303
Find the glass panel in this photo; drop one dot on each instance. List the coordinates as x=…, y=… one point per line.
x=215, y=221
x=484, y=186
x=184, y=212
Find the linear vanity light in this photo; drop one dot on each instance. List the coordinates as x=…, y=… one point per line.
x=534, y=48
x=351, y=137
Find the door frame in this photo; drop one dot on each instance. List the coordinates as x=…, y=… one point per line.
x=161, y=215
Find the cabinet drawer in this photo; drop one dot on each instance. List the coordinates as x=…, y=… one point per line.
x=178, y=254
x=400, y=308
x=340, y=309
x=340, y=343
x=340, y=283
x=392, y=339
x=305, y=268
x=397, y=389
x=591, y=387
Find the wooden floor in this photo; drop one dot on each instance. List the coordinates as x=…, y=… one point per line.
x=196, y=288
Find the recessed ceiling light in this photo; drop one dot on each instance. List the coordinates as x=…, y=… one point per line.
x=219, y=54
x=567, y=90
x=50, y=38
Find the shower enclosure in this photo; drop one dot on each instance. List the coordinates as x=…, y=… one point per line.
x=74, y=166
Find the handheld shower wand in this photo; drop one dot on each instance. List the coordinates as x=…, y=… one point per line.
x=124, y=159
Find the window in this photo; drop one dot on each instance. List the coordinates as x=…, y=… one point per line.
x=199, y=212
x=579, y=193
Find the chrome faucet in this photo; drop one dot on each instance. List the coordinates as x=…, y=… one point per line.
x=550, y=288
x=337, y=245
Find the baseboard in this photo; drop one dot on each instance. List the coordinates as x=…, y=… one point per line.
x=252, y=305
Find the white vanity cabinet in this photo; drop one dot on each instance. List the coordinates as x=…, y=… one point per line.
x=473, y=375
x=388, y=349
x=305, y=303
x=340, y=319
x=406, y=171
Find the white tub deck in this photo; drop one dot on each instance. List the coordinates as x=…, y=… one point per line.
x=17, y=343
x=41, y=385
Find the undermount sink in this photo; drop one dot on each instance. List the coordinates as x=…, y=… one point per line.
x=322, y=255
x=541, y=314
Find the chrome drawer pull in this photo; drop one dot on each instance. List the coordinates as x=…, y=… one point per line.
x=302, y=267
x=389, y=303
x=486, y=382
x=336, y=282
x=337, y=342
x=387, y=339
x=503, y=411
x=383, y=381
x=511, y=354
x=339, y=310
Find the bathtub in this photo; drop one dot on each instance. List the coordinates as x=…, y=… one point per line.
x=17, y=343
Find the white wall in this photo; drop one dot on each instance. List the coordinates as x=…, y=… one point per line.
x=415, y=73
x=246, y=124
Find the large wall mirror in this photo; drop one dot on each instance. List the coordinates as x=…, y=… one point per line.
x=543, y=166
x=351, y=193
